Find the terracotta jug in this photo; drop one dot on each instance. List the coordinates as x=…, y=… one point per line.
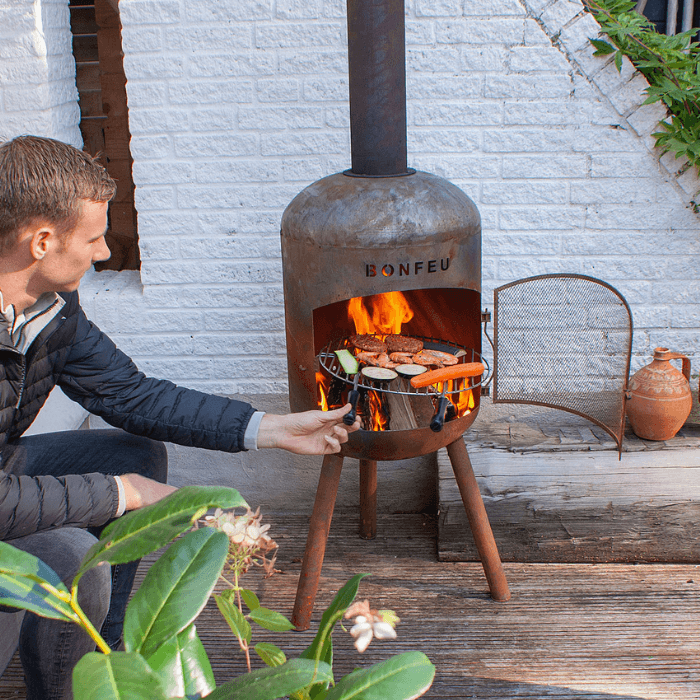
x=659, y=398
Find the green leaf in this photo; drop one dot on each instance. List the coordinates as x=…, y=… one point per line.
x=618, y=61
x=342, y=600
x=603, y=47
x=273, y=683
x=401, y=677
x=25, y=582
x=272, y=655
x=143, y=531
x=271, y=620
x=250, y=599
x=226, y=602
x=116, y=676
x=183, y=665
x=175, y=590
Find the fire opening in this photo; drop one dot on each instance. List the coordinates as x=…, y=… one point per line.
x=396, y=405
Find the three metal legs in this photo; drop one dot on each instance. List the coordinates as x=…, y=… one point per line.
x=324, y=504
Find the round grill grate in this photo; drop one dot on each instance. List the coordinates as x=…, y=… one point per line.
x=402, y=386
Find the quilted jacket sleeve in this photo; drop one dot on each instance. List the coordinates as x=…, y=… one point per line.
x=107, y=383
x=30, y=504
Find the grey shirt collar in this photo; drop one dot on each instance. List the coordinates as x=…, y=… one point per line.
x=23, y=328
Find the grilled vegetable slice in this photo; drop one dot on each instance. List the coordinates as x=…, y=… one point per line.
x=348, y=361
x=379, y=374
x=411, y=370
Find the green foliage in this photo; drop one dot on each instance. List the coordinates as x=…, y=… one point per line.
x=411, y=672
x=26, y=582
x=144, y=531
x=164, y=657
x=669, y=63
x=175, y=590
x=116, y=676
x=183, y=665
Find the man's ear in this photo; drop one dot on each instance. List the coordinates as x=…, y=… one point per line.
x=42, y=238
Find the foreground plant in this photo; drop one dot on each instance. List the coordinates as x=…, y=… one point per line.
x=669, y=63
x=164, y=656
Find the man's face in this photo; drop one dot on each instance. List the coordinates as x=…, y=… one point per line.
x=69, y=257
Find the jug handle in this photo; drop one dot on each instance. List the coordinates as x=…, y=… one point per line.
x=686, y=363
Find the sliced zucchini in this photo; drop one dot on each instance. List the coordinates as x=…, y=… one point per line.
x=348, y=361
x=379, y=374
x=411, y=370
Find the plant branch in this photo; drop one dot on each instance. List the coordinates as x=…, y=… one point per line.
x=86, y=624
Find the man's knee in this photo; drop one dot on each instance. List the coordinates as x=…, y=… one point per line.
x=148, y=457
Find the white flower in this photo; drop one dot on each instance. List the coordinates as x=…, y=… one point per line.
x=383, y=630
x=370, y=623
x=362, y=634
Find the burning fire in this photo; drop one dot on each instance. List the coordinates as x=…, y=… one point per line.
x=382, y=315
x=385, y=316
x=377, y=415
x=463, y=402
x=322, y=391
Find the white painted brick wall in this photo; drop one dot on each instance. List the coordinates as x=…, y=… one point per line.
x=37, y=71
x=237, y=105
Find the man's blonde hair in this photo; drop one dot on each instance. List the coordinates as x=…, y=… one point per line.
x=44, y=180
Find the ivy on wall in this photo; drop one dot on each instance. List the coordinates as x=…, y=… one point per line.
x=670, y=65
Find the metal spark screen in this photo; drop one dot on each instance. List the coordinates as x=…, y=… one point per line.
x=564, y=341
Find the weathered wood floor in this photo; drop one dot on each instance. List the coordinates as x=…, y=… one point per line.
x=570, y=631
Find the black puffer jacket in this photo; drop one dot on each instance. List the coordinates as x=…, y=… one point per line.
x=73, y=353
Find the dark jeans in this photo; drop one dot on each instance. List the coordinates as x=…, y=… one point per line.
x=50, y=649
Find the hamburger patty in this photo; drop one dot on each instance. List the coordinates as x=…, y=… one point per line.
x=403, y=343
x=368, y=343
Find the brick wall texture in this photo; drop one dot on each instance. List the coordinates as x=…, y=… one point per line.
x=237, y=105
x=37, y=71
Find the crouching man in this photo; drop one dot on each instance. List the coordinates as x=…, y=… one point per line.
x=58, y=490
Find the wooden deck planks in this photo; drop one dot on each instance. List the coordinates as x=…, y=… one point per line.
x=578, y=506
x=570, y=631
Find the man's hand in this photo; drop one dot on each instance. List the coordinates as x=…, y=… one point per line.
x=307, y=433
x=140, y=491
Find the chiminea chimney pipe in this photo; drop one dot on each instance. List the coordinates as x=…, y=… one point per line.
x=377, y=70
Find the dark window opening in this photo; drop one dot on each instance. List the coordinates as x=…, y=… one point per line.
x=661, y=14
x=104, y=118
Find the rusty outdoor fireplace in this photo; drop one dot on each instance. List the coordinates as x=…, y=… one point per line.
x=401, y=250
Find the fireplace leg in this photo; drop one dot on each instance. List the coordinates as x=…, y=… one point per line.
x=368, y=499
x=316, y=540
x=478, y=520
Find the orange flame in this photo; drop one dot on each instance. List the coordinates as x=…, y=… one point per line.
x=377, y=416
x=464, y=401
x=382, y=314
x=322, y=391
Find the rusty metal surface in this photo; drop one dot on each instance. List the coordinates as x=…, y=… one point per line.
x=319, y=527
x=564, y=341
x=368, y=499
x=377, y=72
x=346, y=237
x=478, y=520
x=403, y=444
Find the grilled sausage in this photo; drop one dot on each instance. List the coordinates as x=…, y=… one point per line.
x=466, y=369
